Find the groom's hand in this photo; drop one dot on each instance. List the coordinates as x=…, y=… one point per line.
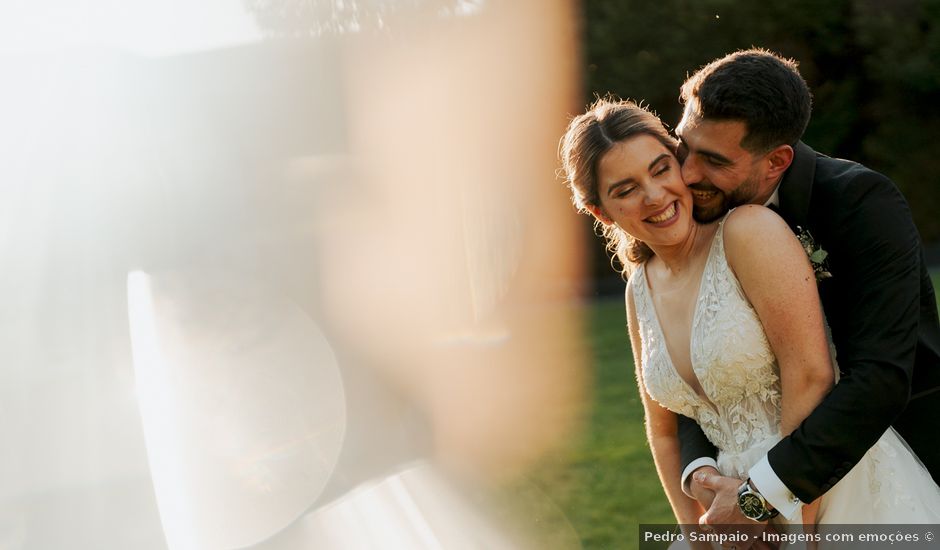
x=724, y=515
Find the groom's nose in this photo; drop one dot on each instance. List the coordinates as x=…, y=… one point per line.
x=691, y=170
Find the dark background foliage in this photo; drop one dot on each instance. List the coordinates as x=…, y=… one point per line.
x=872, y=66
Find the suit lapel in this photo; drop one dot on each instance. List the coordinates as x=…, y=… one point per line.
x=797, y=186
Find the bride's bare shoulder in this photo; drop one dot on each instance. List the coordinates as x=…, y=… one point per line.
x=754, y=225
x=757, y=238
x=750, y=217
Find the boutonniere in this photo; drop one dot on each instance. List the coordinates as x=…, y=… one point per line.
x=817, y=256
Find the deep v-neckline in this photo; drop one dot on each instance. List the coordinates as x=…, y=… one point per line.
x=695, y=313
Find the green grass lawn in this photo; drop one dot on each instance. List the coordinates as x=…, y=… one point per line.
x=935, y=276
x=603, y=485
x=604, y=482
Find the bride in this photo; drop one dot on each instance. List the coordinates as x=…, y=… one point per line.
x=725, y=322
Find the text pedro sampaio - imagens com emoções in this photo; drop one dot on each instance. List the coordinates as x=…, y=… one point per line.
x=790, y=538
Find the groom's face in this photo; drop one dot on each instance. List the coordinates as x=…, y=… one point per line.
x=720, y=173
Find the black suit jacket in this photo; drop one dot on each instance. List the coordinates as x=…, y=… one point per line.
x=881, y=308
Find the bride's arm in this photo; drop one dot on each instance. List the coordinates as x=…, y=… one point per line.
x=779, y=281
x=661, y=433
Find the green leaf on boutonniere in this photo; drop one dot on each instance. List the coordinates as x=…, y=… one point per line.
x=817, y=255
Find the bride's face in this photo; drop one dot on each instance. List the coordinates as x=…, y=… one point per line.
x=641, y=189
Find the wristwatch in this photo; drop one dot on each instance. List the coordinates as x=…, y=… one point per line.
x=753, y=504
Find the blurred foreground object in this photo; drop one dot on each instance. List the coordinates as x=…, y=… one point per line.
x=445, y=257
x=241, y=402
x=413, y=508
x=348, y=255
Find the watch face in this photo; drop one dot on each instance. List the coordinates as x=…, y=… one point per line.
x=751, y=505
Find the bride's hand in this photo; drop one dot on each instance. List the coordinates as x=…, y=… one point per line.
x=703, y=495
x=809, y=521
x=723, y=510
x=724, y=515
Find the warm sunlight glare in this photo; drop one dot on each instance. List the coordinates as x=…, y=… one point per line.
x=147, y=27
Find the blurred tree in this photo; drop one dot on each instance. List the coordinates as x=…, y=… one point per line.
x=901, y=134
x=316, y=17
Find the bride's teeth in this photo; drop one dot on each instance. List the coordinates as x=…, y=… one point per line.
x=670, y=212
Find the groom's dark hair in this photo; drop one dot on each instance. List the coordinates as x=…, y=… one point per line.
x=757, y=87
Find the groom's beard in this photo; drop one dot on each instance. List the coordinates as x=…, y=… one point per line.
x=705, y=211
x=718, y=205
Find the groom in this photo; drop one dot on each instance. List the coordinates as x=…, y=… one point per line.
x=740, y=143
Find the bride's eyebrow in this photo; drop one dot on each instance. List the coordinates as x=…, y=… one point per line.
x=656, y=160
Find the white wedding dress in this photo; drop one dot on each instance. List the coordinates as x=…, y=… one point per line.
x=738, y=372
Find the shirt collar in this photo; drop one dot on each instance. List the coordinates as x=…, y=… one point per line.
x=774, y=199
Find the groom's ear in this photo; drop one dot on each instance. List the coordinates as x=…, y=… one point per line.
x=779, y=159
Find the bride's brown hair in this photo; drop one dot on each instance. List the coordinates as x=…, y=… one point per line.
x=590, y=135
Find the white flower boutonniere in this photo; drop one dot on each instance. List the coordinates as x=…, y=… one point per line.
x=817, y=256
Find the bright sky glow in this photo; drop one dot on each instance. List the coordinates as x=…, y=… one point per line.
x=153, y=28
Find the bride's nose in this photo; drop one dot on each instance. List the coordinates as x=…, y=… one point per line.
x=655, y=194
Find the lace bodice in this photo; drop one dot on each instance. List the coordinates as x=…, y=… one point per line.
x=731, y=359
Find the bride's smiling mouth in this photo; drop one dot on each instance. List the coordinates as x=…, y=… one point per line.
x=666, y=216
